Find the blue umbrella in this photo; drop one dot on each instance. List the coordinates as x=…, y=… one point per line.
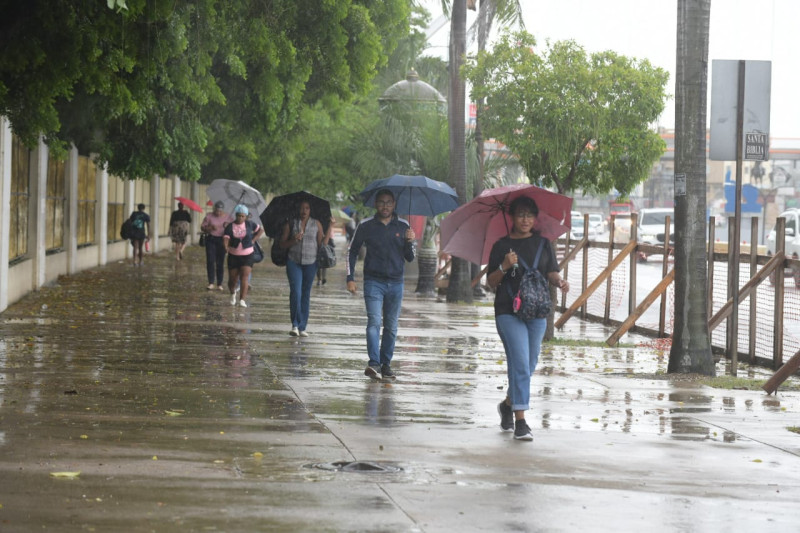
x=414, y=195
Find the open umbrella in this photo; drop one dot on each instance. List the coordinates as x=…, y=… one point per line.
x=470, y=231
x=283, y=208
x=340, y=216
x=414, y=195
x=231, y=193
x=191, y=204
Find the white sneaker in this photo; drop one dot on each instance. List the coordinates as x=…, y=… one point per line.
x=220, y=287
x=211, y=286
x=303, y=333
x=242, y=303
x=233, y=297
x=294, y=332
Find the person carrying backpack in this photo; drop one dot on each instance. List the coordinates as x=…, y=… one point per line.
x=139, y=233
x=521, y=325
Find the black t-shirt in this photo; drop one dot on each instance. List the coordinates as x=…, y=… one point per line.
x=180, y=215
x=526, y=249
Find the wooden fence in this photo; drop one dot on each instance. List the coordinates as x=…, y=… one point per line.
x=606, y=273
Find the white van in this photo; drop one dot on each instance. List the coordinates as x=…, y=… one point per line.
x=650, y=228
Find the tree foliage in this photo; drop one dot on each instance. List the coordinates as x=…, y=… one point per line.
x=575, y=120
x=202, y=88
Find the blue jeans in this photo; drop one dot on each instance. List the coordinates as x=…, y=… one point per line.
x=383, y=298
x=522, y=341
x=301, y=279
x=215, y=259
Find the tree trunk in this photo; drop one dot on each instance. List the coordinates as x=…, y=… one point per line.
x=484, y=24
x=459, y=289
x=691, y=343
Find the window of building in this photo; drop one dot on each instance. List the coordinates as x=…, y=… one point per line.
x=20, y=198
x=56, y=202
x=87, y=201
x=116, y=207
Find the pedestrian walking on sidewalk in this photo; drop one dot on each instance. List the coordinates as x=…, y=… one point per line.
x=140, y=233
x=239, y=238
x=213, y=226
x=179, y=227
x=390, y=242
x=302, y=235
x=522, y=339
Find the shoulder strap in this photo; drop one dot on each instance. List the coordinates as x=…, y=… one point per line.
x=538, y=254
x=524, y=265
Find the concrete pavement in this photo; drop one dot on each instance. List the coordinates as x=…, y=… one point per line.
x=182, y=413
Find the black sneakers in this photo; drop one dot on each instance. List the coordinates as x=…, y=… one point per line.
x=372, y=372
x=522, y=431
x=506, y=416
x=387, y=374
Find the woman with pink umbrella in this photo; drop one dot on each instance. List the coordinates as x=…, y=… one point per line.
x=509, y=258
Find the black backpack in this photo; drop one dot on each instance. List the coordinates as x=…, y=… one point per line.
x=533, y=298
x=126, y=229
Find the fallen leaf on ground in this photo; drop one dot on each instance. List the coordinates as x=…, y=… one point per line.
x=67, y=475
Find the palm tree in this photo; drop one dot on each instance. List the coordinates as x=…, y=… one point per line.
x=691, y=343
x=505, y=12
x=459, y=289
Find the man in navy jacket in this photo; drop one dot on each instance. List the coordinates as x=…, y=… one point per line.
x=390, y=242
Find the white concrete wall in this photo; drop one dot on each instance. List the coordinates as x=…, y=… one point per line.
x=5, y=209
x=37, y=268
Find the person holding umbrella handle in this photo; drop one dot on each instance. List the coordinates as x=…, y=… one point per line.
x=302, y=235
x=390, y=243
x=522, y=339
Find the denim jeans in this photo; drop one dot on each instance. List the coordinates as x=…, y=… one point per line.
x=215, y=259
x=382, y=298
x=522, y=341
x=301, y=279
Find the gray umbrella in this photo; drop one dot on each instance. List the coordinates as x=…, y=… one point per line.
x=231, y=193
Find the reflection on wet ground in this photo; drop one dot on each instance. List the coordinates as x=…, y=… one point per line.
x=142, y=378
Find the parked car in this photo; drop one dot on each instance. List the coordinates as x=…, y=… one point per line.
x=597, y=224
x=576, y=225
x=650, y=228
x=792, y=241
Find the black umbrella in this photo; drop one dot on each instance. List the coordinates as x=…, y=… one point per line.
x=284, y=208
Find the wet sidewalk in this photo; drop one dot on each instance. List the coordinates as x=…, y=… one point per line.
x=183, y=413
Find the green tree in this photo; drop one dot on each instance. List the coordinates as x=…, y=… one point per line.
x=575, y=121
x=194, y=88
x=691, y=342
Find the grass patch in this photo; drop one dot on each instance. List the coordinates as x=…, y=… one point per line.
x=734, y=383
x=558, y=341
x=794, y=429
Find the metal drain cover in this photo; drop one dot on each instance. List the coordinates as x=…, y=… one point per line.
x=357, y=466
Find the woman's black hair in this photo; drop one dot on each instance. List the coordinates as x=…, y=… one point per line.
x=524, y=203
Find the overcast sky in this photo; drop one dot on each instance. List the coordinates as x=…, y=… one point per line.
x=740, y=29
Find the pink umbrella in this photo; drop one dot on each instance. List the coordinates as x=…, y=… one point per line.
x=470, y=231
x=191, y=204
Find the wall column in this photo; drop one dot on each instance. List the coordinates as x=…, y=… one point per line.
x=37, y=218
x=155, y=216
x=5, y=208
x=71, y=232
x=197, y=218
x=101, y=229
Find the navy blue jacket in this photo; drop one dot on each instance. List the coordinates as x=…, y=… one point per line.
x=387, y=248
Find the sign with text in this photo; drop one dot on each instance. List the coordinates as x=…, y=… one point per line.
x=724, y=97
x=756, y=146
